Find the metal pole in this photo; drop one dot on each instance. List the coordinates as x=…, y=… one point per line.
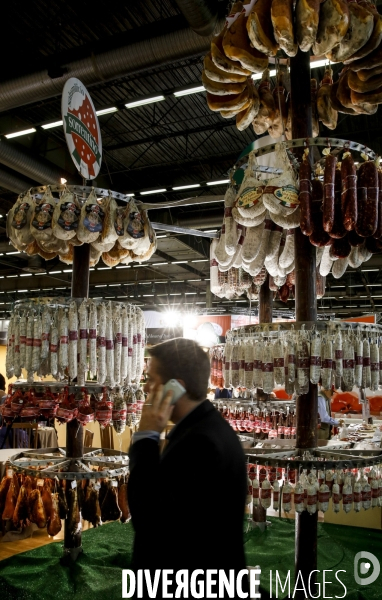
x=265, y=316
x=306, y=310
x=74, y=429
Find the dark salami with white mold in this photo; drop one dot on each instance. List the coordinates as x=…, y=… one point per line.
x=355, y=240
x=305, y=196
x=340, y=248
x=319, y=237
x=338, y=230
x=349, y=192
x=367, y=196
x=329, y=180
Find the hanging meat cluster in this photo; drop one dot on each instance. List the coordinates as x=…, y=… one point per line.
x=118, y=407
x=80, y=342
x=45, y=502
x=272, y=424
x=348, y=490
x=348, y=31
x=52, y=227
x=343, y=213
x=257, y=236
x=292, y=359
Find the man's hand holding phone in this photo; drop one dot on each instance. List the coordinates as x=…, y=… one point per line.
x=157, y=410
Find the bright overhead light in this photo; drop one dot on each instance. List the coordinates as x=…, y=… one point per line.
x=8, y=253
x=185, y=187
x=158, y=265
x=129, y=195
x=272, y=73
x=318, y=63
x=201, y=260
x=18, y=133
x=219, y=182
x=193, y=90
x=144, y=101
x=63, y=180
x=161, y=236
x=179, y=262
x=106, y=111
x=51, y=125
x=26, y=275
x=153, y=191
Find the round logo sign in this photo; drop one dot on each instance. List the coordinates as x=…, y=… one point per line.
x=81, y=127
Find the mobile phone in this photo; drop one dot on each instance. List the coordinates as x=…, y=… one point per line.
x=176, y=388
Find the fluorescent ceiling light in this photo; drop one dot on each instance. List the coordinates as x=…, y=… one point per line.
x=272, y=73
x=161, y=236
x=103, y=268
x=53, y=124
x=179, y=262
x=158, y=265
x=201, y=260
x=106, y=111
x=8, y=276
x=21, y=291
x=210, y=230
x=220, y=182
x=18, y=133
x=12, y=253
x=27, y=275
x=153, y=191
x=144, y=101
x=193, y=90
x=129, y=195
x=54, y=272
x=318, y=63
x=185, y=187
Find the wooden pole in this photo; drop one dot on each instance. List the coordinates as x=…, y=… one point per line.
x=74, y=429
x=306, y=310
x=265, y=316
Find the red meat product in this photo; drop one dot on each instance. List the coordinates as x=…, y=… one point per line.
x=367, y=195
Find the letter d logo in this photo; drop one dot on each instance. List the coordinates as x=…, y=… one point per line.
x=365, y=566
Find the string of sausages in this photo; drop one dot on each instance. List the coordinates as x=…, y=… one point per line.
x=311, y=491
x=343, y=214
x=88, y=341
x=339, y=359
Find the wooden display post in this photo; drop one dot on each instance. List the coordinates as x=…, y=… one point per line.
x=306, y=310
x=74, y=429
x=265, y=316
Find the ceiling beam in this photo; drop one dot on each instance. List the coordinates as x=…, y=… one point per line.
x=217, y=126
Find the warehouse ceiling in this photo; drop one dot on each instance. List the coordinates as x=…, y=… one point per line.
x=123, y=52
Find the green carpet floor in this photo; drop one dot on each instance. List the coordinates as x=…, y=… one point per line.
x=38, y=575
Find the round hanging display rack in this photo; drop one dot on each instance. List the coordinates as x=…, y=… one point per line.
x=302, y=143
x=315, y=458
x=113, y=463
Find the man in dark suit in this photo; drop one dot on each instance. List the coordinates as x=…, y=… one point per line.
x=187, y=504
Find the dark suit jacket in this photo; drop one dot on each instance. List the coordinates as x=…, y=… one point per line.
x=187, y=505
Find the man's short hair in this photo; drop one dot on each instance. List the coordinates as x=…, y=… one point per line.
x=183, y=359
